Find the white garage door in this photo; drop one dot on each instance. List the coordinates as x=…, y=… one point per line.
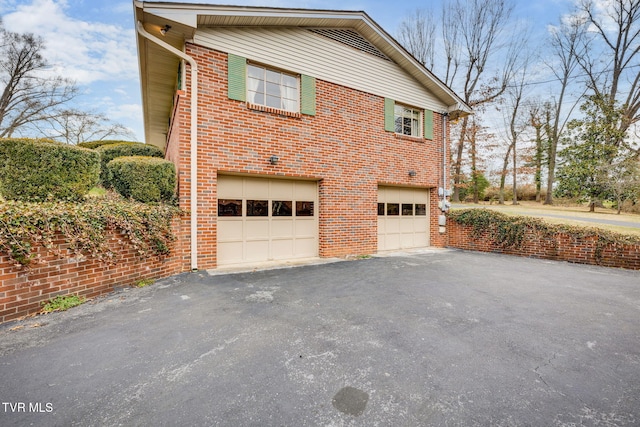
x=403, y=218
x=263, y=219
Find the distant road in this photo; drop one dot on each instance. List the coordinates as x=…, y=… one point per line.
x=594, y=220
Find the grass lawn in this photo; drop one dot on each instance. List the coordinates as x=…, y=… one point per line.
x=574, y=215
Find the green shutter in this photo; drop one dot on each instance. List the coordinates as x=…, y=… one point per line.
x=237, y=67
x=428, y=124
x=308, y=95
x=389, y=115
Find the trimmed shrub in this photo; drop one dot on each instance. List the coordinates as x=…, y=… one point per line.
x=95, y=144
x=142, y=178
x=36, y=170
x=122, y=149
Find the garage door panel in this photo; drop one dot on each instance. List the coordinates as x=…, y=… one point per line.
x=232, y=186
x=257, y=229
x=400, y=223
x=407, y=225
x=255, y=249
x=305, y=228
x=282, y=249
x=230, y=252
x=256, y=189
x=305, y=245
x=392, y=225
x=305, y=191
x=281, y=228
x=281, y=190
x=230, y=230
x=260, y=234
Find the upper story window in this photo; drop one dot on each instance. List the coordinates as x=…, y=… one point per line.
x=407, y=120
x=272, y=88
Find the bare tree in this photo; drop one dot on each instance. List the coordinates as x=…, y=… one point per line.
x=613, y=74
x=417, y=35
x=74, y=127
x=478, y=60
x=515, y=126
x=536, y=115
x=567, y=47
x=29, y=96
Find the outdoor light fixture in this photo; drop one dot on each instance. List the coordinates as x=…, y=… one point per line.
x=412, y=173
x=274, y=160
x=164, y=30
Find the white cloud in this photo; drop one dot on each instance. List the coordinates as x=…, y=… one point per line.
x=84, y=51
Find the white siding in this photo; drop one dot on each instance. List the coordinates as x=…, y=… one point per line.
x=301, y=51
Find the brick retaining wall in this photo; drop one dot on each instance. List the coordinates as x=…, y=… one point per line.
x=561, y=247
x=22, y=289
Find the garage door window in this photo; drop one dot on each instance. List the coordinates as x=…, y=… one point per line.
x=304, y=208
x=281, y=208
x=408, y=209
x=227, y=207
x=257, y=208
x=393, y=209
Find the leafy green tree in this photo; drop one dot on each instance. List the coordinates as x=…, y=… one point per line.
x=591, y=147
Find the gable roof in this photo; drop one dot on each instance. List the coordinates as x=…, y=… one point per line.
x=158, y=67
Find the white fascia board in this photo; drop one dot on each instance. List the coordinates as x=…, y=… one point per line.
x=187, y=18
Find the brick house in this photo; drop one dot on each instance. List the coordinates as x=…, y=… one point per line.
x=296, y=133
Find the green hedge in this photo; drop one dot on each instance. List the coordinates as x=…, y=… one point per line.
x=145, y=179
x=38, y=170
x=95, y=144
x=86, y=227
x=112, y=151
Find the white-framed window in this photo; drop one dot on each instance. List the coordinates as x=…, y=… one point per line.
x=407, y=120
x=272, y=88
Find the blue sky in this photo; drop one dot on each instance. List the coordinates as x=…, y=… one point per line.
x=92, y=41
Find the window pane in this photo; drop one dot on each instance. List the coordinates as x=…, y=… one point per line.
x=289, y=81
x=421, y=209
x=381, y=209
x=393, y=209
x=228, y=207
x=273, y=76
x=281, y=208
x=273, y=89
x=273, y=101
x=257, y=208
x=290, y=104
x=304, y=208
x=398, y=124
x=258, y=98
x=407, y=209
x=256, y=72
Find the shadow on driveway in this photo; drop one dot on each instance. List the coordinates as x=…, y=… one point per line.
x=443, y=338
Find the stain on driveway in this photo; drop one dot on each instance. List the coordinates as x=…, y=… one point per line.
x=443, y=338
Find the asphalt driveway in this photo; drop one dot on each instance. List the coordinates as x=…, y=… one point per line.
x=441, y=338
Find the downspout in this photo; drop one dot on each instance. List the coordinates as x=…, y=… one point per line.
x=444, y=206
x=194, y=137
x=444, y=159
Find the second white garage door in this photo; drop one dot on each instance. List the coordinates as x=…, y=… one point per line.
x=403, y=218
x=262, y=219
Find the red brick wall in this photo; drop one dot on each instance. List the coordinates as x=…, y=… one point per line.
x=561, y=247
x=344, y=147
x=22, y=290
